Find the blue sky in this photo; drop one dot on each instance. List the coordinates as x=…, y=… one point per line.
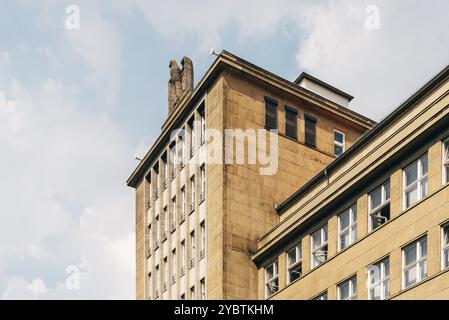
x=76, y=107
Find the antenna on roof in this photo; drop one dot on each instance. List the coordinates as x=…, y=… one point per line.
x=213, y=53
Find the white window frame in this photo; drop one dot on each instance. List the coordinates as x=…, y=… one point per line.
x=444, y=247
x=383, y=203
x=384, y=279
x=183, y=196
x=203, y=235
x=323, y=230
x=351, y=228
x=445, y=161
x=296, y=263
x=192, y=189
x=420, y=179
x=338, y=143
x=417, y=263
x=203, y=178
x=203, y=127
x=273, y=280
x=352, y=288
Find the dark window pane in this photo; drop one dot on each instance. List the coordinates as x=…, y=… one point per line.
x=271, y=116
x=310, y=130
x=291, y=124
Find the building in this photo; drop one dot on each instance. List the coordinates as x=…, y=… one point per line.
x=374, y=224
x=201, y=211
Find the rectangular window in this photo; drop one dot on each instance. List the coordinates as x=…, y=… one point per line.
x=192, y=247
x=165, y=217
x=183, y=151
x=271, y=114
x=294, y=264
x=192, y=293
x=175, y=264
x=158, y=228
x=203, y=183
x=203, y=240
x=158, y=278
x=291, y=123
x=192, y=193
x=339, y=143
x=310, y=130
x=319, y=246
x=203, y=289
x=322, y=296
x=183, y=198
x=445, y=246
x=415, y=181
x=202, y=113
x=174, y=214
x=150, y=285
x=446, y=162
x=165, y=162
x=173, y=159
x=271, y=279
x=183, y=255
x=347, y=227
x=379, y=280
x=192, y=138
x=165, y=273
x=347, y=290
x=379, y=206
x=414, y=262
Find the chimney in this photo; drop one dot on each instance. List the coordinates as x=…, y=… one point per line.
x=180, y=83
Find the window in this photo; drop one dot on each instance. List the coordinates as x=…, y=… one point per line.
x=150, y=285
x=203, y=240
x=203, y=183
x=339, y=143
x=379, y=206
x=415, y=181
x=165, y=216
x=183, y=257
x=192, y=195
x=158, y=228
x=173, y=159
x=175, y=264
x=271, y=279
x=192, y=249
x=158, y=278
x=310, y=130
x=271, y=113
x=445, y=246
x=203, y=124
x=294, y=263
x=322, y=296
x=174, y=214
x=446, y=162
x=183, y=151
x=347, y=290
x=203, y=289
x=192, y=138
x=192, y=293
x=379, y=280
x=319, y=246
x=183, y=198
x=347, y=227
x=291, y=123
x=414, y=261
x=165, y=273
x=164, y=160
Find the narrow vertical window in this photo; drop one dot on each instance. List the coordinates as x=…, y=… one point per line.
x=158, y=230
x=174, y=215
x=192, y=249
x=150, y=285
x=192, y=293
x=165, y=217
x=379, y=206
x=165, y=163
x=158, y=282
x=414, y=262
x=173, y=159
x=294, y=264
x=445, y=246
x=203, y=289
x=379, y=280
x=192, y=138
x=183, y=152
x=165, y=265
x=415, y=181
x=310, y=130
x=319, y=246
x=339, y=143
x=271, y=279
x=271, y=113
x=183, y=204
x=202, y=113
x=446, y=162
x=203, y=240
x=347, y=290
x=347, y=227
x=175, y=266
x=183, y=257
x=192, y=194
x=291, y=123
x=203, y=183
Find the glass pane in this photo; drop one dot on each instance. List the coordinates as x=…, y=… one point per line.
x=324, y=229
x=423, y=270
x=387, y=190
x=344, y=220
x=447, y=173
x=446, y=258
x=296, y=272
x=446, y=150
x=374, y=274
x=353, y=234
x=338, y=150
x=375, y=198
x=291, y=257
x=338, y=137
x=344, y=290
x=344, y=240
x=386, y=288
x=424, y=165
x=445, y=235
x=316, y=240
x=411, y=196
x=375, y=293
x=410, y=254
x=411, y=173
x=424, y=188
x=386, y=265
x=269, y=272
x=423, y=243
x=410, y=276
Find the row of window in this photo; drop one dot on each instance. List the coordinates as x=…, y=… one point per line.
x=414, y=270
x=166, y=227
x=291, y=126
x=184, y=263
x=415, y=188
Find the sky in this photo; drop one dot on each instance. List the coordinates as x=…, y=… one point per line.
x=78, y=103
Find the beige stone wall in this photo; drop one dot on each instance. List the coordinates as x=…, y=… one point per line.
x=249, y=198
x=140, y=241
